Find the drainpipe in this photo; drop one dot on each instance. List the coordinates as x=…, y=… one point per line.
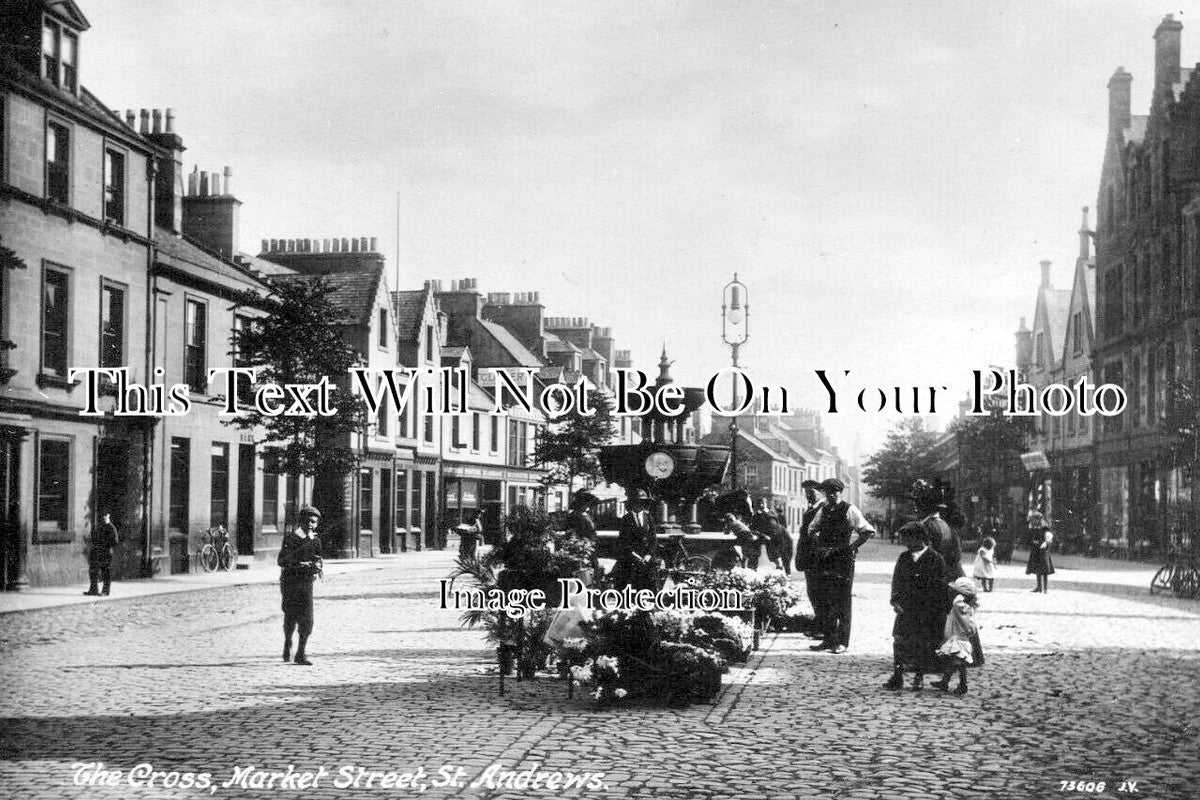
x=150, y=426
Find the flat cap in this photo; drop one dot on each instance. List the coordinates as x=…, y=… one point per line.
x=308, y=511
x=832, y=485
x=809, y=483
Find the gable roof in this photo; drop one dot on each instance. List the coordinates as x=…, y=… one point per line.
x=1057, y=308
x=505, y=339
x=67, y=10
x=353, y=291
x=409, y=307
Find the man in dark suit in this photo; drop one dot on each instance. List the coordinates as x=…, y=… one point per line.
x=103, y=540
x=806, y=554
x=637, y=544
x=840, y=529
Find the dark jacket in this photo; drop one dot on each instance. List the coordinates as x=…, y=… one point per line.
x=299, y=556
x=945, y=541
x=637, y=537
x=806, y=558
x=919, y=588
x=834, y=535
x=103, y=540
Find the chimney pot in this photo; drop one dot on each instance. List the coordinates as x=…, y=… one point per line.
x=228, y=175
x=131, y=119
x=354, y=245
x=325, y=246
x=374, y=243
x=264, y=246
x=157, y=121
x=203, y=184
x=144, y=115
x=170, y=120
x=345, y=245
x=1045, y=273
x=215, y=184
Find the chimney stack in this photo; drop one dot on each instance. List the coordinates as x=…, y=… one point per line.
x=1166, y=52
x=168, y=173
x=210, y=212
x=1045, y=274
x=1119, y=93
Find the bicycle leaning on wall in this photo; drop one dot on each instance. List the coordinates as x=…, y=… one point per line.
x=217, y=552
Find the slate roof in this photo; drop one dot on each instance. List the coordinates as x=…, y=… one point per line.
x=187, y=254
x=409, y=307
x=353, y=291
x=557, y=345
x=766, y=448
x=504, y=337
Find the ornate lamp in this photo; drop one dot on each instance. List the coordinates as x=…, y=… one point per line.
x=735, y=330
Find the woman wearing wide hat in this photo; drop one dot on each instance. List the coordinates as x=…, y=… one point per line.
x=637, y=545
x=300, y=562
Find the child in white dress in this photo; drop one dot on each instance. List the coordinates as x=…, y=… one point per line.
x=961, y=647
x=985, y=564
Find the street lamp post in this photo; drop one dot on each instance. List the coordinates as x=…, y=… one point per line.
x=735, y=330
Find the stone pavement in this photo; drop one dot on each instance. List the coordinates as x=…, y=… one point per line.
x=1095, y=681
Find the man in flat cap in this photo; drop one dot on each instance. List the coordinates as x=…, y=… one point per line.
x=299, y=562
x=839, y=529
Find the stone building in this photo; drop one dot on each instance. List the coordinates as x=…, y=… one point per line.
x=76, y=193
x=1148, y=298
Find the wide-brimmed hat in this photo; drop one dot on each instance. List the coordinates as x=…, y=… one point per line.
x=832, y=485
x=308, y=511
x=963, y=585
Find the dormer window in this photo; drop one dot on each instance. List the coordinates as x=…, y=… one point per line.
x=60, y=55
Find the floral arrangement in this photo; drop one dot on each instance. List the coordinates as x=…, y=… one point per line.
x=661, y=655
x=774, y=599
x=530, y=558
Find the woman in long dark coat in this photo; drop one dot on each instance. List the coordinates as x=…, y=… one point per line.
x=919, y=600
x=300, y=563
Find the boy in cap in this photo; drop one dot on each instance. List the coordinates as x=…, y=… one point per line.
x=300, y=562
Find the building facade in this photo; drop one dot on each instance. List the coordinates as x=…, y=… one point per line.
x=1148, y=299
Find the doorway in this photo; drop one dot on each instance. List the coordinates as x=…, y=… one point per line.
x=245, y=500
x=10, y=507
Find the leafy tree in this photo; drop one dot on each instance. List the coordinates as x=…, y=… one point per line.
x=570, y=447
x=906, y=456
x=300, y=341
x=8, y=260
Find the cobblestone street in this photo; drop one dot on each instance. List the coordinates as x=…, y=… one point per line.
x=1095, y=681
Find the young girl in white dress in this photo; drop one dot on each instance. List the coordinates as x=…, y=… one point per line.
x=985, y=564
x=961, y=647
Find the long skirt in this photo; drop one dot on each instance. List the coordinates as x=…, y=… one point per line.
x=1039, y=563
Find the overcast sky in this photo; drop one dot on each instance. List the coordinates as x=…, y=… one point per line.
x=884, y=177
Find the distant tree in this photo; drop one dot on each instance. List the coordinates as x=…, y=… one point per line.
x=300, y=340
x=8, y=261
x=906, y=456
x=570, y=447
